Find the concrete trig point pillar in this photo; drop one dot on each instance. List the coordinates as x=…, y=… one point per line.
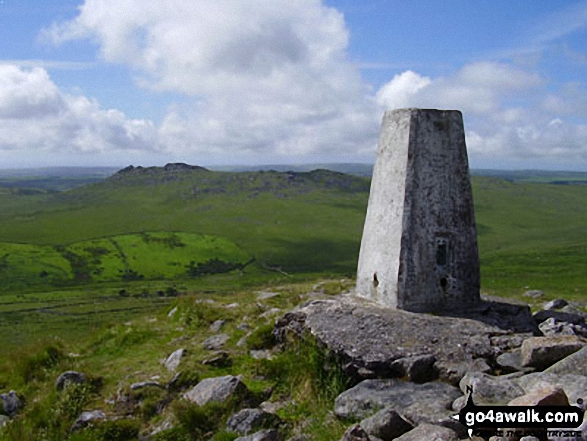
x=419, y=247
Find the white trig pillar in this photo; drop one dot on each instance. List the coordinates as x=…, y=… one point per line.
x=419, y=247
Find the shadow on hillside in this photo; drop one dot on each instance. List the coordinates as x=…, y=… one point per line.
x=315, y=255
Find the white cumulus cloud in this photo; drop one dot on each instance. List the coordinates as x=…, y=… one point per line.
x=266, y=77
x=35, y=115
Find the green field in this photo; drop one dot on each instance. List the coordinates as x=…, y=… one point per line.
x=143, y=228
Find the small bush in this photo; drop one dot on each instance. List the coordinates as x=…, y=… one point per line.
x=202, y=422
x=35, y=366
x=114, y=430
x=262, y=337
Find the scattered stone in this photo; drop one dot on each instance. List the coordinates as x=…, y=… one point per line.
x=260, y=354
x=217, y=325
x=273, y=406
x=243, y=341
x=533, y=294
x=490, y=390
x=355, y=433
x=172, y=362
x=541, y=352
x=231, y=305
x=418, y=369
x=249, y=420
x=264, y=435
x=572, y=309
x=551, y=326
x=575, y=363
x=559, y=316
x=215, y=342
x=512, y=361
x=69, y=377
x=165, y=425
x=145, y=384
x=11, y=403
x=548, y=396
x=4, y=420
x=575, y=386
x=429, y=432
x=371, y=395
x=218, y=359
x=386, y=424
x=555, y=304
x=217, y=389
x=265, y=295
x=172, y=312
x=243, y=327
x=86, y=418
x=270, y=313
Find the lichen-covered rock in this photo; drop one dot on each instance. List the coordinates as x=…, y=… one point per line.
x=369, y=396
x=246, y=421
x=145, y=384
x=11, y=403
x=547, y=396
x=575, y=386
x=541, y=352
x=555, y=304
x=86, y=418
x=418, y=369
x=355, y=433
x=575, y=364
x=171, y=363
x=429, y=432
x=215, y=342
x=217, y=389
x=559, y=316
x=489, y=390
x=217, y=325
x=69, y=377
x=368, y=338
x=386, y=424
x=263, y=435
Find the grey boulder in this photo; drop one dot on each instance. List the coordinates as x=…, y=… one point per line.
x=249, y=420
x=217, y=389
x=11, y=403
x=215, y=342
x=171, y=363
x=489, y=390
x=429, y=432
x=541, y=352
x=369, y=396
x=69, y=377
x=575, y=364
x=87, y=418
x=263, y=435
x=386, y=425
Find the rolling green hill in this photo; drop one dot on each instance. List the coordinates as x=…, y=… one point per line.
x=530, y=234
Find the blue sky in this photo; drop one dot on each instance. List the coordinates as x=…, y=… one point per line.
x=118, y=82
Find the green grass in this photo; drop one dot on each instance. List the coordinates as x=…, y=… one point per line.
x=145, y=256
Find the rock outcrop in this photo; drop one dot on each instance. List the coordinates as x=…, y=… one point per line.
x=375, y=342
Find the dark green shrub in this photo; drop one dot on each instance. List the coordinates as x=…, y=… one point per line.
x=31, y=367
x=262, y=337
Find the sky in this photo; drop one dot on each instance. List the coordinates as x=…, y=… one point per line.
x=226, y=82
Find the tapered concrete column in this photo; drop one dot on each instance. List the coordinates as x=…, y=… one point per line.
x=419, y=247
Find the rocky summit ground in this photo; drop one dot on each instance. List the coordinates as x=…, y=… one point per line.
x=296, y=363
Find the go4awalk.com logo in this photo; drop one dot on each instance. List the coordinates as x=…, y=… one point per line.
x=501, y=418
